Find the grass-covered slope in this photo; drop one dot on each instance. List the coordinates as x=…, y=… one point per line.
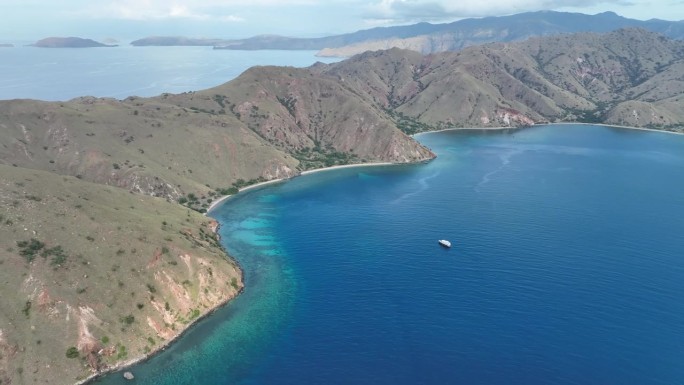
x=92, y=275
x=142, y=145
x=629, y=77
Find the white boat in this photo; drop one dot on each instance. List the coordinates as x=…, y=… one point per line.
x=444, y=243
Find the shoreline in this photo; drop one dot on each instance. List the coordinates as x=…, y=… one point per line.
x=219, y=200
x=502, y=128
x=617, y=126
x=222, y=199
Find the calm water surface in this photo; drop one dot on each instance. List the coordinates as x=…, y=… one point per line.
x=119, y=72
x=567, y=268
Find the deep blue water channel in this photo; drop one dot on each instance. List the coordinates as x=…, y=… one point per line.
x=567, y=267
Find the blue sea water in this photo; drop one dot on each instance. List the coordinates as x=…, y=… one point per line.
x=119, y=72
x=567, y=267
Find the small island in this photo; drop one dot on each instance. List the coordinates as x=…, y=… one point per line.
x=6, y=45
x=177, y=41
x=68, y=42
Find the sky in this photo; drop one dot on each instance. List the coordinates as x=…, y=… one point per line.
x=126, y=20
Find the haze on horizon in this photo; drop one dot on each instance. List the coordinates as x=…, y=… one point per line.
x=131, y=19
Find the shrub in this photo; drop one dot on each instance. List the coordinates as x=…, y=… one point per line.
x=28, y=249
x=27, y=308
x=72, y=352
x=194, y=313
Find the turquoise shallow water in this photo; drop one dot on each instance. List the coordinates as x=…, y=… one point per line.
x=567, y=268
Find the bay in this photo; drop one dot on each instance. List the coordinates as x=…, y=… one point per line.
x=566, y=268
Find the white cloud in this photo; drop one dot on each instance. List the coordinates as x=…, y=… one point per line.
x=225, y=10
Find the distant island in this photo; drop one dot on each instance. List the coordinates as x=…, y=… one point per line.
x=68, y=42
x=178, y=41
x=5, y=45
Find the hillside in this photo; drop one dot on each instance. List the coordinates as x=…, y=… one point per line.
x=93, y=275
x=242, y=131
x=628, y=77
x=88, y=187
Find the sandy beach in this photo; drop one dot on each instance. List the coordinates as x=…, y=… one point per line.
x=346, y=166
x=222, y=199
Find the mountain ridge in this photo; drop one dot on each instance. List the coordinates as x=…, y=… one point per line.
x=431, y=38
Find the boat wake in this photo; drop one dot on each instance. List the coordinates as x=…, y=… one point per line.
x=505, y=158
x=423, y=185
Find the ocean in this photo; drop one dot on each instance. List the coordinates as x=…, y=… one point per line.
x=566, y=268
x=64, y=73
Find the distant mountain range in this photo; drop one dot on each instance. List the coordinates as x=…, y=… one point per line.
x=429, y=38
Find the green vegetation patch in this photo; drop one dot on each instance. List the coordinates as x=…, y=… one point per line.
x=72, y=352
x=318, y=157
x=29, y=249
